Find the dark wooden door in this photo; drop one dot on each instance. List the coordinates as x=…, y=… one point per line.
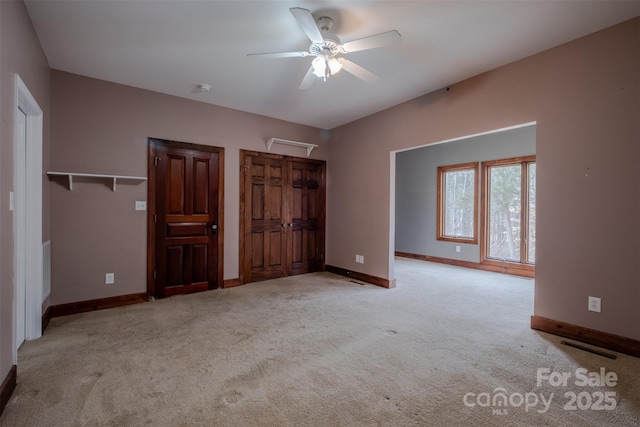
x=282, y=211
x=185, y=218
x=306, y=210
x=265, y=220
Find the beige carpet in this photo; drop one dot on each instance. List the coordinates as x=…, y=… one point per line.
x=318, y=350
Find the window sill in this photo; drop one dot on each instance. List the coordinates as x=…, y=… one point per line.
x=515, y=268
x=469, y=241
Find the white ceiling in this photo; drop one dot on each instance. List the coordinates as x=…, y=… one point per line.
x=171, y=46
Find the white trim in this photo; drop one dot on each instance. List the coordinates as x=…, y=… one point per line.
x=522, y=125
x=33, y=208
x=20, y=227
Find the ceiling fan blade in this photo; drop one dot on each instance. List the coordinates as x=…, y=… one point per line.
x=307, y=23
x=372, y=42
x=308, y=79
x=280, y=55
x=358, y=71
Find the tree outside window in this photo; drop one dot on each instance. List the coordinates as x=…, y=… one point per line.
x=509, y=210
x=458, y=203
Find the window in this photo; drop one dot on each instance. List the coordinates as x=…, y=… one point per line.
x=509, y=211
x=458, y=203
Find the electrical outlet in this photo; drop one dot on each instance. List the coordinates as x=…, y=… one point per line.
x=595, y=304
x=109, y=278
x=458, y=248
x=141, y=205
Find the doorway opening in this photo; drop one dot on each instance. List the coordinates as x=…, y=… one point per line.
x=433, y=210
x=26, y=203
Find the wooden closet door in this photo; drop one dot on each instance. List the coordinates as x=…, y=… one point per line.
x=306, y=210
x=265, y=196
x=282, y=204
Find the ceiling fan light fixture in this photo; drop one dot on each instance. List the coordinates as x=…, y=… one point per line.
x=334, y=65
x=319, y=66
x=320, y=63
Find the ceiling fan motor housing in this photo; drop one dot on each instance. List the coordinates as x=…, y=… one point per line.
x=325, y=23
x=327, y=48
x=330, y=47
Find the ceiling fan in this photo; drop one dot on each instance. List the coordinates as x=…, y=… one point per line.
x=326, y=49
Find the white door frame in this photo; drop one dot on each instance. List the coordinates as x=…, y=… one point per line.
x=30, y=190
x=19, y=224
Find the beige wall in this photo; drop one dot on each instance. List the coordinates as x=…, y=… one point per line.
x=584, y=96
x=21, y=54
x=102, y=127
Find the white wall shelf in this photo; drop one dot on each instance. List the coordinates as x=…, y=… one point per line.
x=113, y=178
x=307, y=146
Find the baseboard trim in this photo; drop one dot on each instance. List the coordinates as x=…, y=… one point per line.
x=231, y=283
x=589, y=336
x=515, y=271
x=8, y=385
x=385, y=283
x=97, y=304
x=46, y=318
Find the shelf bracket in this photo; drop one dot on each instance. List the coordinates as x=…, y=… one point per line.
x=307, y=146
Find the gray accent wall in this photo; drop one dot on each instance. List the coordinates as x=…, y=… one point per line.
x=416, y=187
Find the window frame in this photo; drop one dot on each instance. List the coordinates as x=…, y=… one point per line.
x=507, y=266
x=441, y=197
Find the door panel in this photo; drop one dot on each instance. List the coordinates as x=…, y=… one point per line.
x=175, y=266
x=176, y=181
x=307, y=219
x=265, y=245
x=297, y=245
x=186, y=229
x=282, y=205
x=201, y=186
x=186, y=181
x=257, y=250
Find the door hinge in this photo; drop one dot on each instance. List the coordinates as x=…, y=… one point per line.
x=156, y=160
x=154, y=274
x=155, y=218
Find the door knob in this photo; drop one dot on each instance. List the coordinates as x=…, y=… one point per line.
x=214, y=227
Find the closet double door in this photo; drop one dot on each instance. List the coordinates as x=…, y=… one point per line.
x=282, y=216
